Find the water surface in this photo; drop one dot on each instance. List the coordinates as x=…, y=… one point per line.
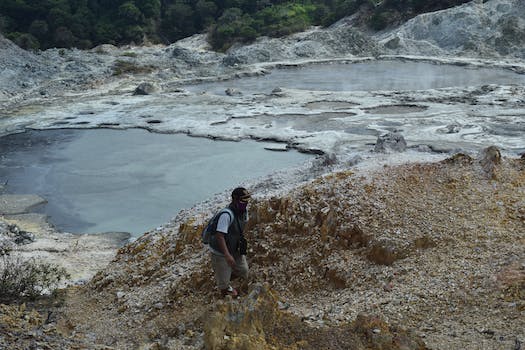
x=106, y=180
x=367, y=76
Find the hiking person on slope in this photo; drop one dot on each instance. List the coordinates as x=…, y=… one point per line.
x=228, y=245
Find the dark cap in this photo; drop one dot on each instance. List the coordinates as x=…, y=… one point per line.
x=240, y=193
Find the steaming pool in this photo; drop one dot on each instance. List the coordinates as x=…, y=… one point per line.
x=366, y=76
x=103, y=180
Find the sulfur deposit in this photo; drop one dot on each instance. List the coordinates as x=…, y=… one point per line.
x=435, y=249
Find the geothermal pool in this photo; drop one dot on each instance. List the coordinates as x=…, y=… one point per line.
x=104, y=180
x=366, y=76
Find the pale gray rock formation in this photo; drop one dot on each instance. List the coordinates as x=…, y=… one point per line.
x=450, y=129
x=482, y=29
x=20, y=69
x=390, y=142
x=317, y=43
x=187, y=55
x=490, y=159
x=194, y=51
x=145, y=89
x=18, y=203
x=11, y=236
x=232, y=92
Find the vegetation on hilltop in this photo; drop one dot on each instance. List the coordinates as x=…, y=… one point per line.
x=41, y=24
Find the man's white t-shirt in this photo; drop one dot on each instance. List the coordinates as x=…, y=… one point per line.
x=222, y=226
x=224, y=223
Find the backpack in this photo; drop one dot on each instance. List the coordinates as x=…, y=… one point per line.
x=211, y=227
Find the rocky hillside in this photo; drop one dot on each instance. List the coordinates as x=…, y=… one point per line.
x=20, y=69
x=493, y=29
x=411, y=256
x=480, y=28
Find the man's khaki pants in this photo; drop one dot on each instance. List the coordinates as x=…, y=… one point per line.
x=223, y=271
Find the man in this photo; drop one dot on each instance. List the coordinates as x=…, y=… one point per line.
x=227, y=244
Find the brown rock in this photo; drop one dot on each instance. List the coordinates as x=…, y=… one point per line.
x=490, y=159
x=258, y=323
x=459, y=158
x=377, y=334
x=383, y=254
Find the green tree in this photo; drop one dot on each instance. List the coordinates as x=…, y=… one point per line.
x=321, y=14
x=25, y=41
x=130, y=14
x=39, y=29
x=57, y=17
x=345, y=7
x=133, y=34
x=83, y=22
x=150, y=8
x=63, y=37
x=178, y=21
x=20, y=13
x=233, y=26
x=206, y=12
x=106, y=33
x=5, y=23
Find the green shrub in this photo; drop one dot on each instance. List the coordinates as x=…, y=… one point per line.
x=24, y=40
x=229, y=27
x=285, y=19
x=379, y=20
x=84, y=44
x=134, y=34
x=275, y=20
x=129, y=54
x=27, y=278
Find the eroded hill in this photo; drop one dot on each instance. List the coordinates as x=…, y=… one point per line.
x=434, y=248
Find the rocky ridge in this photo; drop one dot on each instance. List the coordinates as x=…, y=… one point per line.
x=488, y=29
x=435, y=247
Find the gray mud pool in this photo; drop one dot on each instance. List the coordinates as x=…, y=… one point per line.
x=106, y=180
x=366, y=76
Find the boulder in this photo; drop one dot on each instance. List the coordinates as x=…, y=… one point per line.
x=490, y=158
x=232, y=92
x=186, y=55
x=390, y=142
x=459, y=159
x=145, y=89
x=11, y=236
x=232, y=60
